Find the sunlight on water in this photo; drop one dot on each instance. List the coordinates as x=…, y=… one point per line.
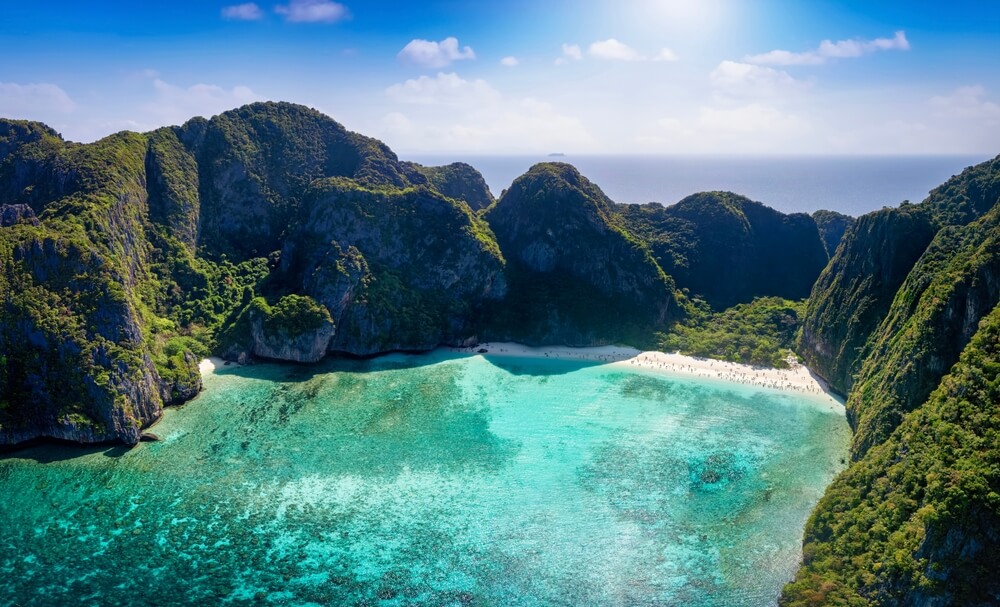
x=430, y=480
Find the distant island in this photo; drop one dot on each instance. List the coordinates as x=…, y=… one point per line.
x=556, y=155
x=272, y=232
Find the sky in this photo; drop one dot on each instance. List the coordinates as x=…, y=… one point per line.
x=527, y=77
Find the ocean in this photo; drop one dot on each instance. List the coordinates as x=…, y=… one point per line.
x=436, y=479
x=853, y=185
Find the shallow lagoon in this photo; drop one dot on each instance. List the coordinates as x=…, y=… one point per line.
x=430, y=480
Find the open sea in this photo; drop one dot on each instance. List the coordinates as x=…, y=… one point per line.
x=438, y=480
x=853, y=185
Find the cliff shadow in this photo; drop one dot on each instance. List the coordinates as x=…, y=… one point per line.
x=51, y=450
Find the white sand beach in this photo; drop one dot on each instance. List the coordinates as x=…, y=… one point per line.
x=207, y=365
x=797, y=378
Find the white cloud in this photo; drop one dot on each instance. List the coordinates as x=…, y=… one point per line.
x=827, y=49
x=431, y=54
x=444, y=89
x=666, y=54
x=570, y=52
x=615, y=50
x=449, y=113
x=744, y=79
x=509, y=61
x=174, y=104
x=750, y=128
x=312, y=11
x=752, y=118
x=33, y=101
x=248, y=11
x=967, y=102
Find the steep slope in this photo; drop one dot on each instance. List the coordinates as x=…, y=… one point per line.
x=933, y=316
x=917, y=520
x=914, y=520
x=256, y=162
x=76, y=360
x=832, y=227
x=853, y=293
x=729, y=249
x=576, y=276
x=456, y=180
x=398, y=269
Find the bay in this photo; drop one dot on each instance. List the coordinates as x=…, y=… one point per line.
x=436, y=479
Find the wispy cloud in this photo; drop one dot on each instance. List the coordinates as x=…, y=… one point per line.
x=570, y=52
x=33, y=100
x=174, y=104
x=443, y=89
x=248, y=11
x=449, y=113
x=968, y=102
x=842, y=49
x=312, y=11
x=427, y=53
x=615, y=50
x=746, y=80
x=509, y=61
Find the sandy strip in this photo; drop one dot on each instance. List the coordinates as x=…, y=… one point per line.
x=797, y=378
x=207, y=365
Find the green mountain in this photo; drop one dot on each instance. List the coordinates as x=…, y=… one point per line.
x=905, y=321
x=269, y=230
x=728, y=249
x=576, y=275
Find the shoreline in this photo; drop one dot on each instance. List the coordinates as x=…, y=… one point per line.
x=797, y=378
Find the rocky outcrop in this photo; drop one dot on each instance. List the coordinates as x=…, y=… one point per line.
x=832, y=227
x=295, y=329
x=457, y=180
x=398, y=269
x=12, y=214
x=728, y=249
x=576, y=275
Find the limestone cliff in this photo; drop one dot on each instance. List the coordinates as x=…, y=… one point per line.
x=576, y=275
x=728, y=249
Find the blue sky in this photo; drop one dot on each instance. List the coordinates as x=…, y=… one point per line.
x=583, y=76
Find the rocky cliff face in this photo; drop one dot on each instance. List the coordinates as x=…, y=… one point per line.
x=397, y=269
x=854, y=292
x=728, y=249
x=914, y=519
x=832, y=227
x=576, y=275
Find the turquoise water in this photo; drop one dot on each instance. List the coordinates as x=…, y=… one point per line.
x=430, y=480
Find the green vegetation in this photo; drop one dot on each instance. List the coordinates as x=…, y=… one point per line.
x=457, y=180
x=292, y=316
x=761, y=332
x=728, y=249
x=853, y=294
x=916, y=520
x=576, y=275
x=832, y=227
x=911, y=292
